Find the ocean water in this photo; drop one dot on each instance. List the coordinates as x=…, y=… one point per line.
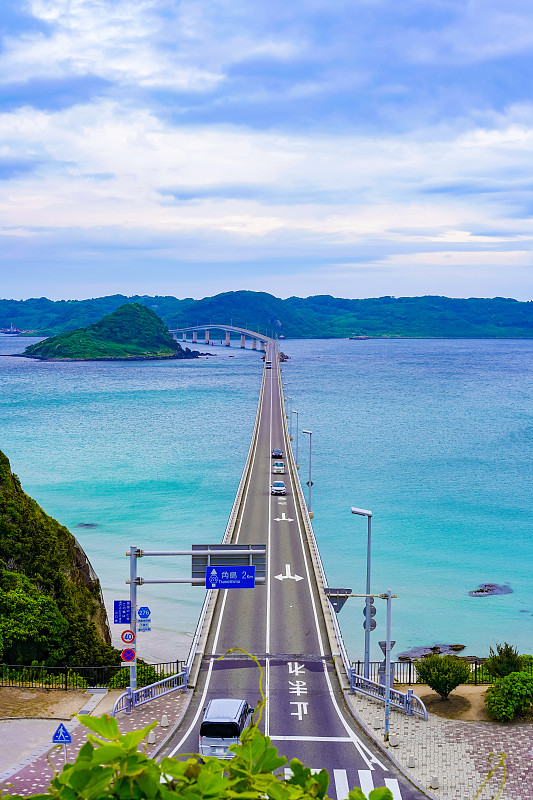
x=434, y=436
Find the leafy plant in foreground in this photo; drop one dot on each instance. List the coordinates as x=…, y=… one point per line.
x=510, y=696
x=442, y=673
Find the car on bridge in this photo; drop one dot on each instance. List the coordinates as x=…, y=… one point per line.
x=276, y=453
x=224, y=721
x=278, y=487
x=278, y=468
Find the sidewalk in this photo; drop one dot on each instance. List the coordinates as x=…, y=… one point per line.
x=33, y=774
x=455, y=752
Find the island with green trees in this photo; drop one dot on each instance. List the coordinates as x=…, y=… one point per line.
x=132, y=332
x=51, y=606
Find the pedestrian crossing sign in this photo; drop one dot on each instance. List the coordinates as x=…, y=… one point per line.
x=62, y=736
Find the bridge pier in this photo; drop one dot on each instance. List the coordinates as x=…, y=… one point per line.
x=262, y=345
x=175, y=336
x=254, y=344
x=195, y=336
x=207, y=337
x=227, y=338
x=184, y=337
x=243, y=340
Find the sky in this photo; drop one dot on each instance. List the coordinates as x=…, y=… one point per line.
x=359, y=149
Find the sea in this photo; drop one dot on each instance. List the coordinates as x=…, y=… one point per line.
x=434, y=436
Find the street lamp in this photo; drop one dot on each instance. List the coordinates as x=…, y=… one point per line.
x=309, y=482
x=297, y=465
x=368, y=514
x=289, y=415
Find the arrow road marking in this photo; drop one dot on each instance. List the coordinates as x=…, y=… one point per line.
x=283, y=518
x=288, y=575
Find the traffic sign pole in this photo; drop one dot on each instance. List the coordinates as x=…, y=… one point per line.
x=133, y=621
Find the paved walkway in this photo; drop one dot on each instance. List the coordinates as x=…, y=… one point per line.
x=455, y=752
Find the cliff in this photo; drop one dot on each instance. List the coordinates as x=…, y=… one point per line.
x=51, y=606
x=133, y=331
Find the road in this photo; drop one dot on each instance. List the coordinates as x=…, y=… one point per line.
x=282, y=623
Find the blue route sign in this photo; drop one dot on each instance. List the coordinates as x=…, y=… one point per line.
x=143, y=612
x=230, y=577
x=122, y=612
x=62, y=736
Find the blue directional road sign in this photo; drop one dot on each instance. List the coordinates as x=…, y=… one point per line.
x=230, y=577
x=122, y=612
x=143, y=612
x=62, y=736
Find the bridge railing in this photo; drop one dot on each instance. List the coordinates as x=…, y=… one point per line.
x=407, y=702
x=138, y=697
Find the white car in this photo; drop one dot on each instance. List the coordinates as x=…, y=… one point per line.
x=278, y=487
x=278, y=468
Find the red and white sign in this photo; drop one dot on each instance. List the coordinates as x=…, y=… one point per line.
x=128, y=654
x=127, y=636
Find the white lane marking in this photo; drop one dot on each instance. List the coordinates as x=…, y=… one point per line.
x=392, y=784
x=365, y=780
x=289, y=773
x=283, y=518
x=269, y=586
x=288, y=576
x=210, y=670
x=301, y=709
x=310, y=739
x=368, y=757
x=340, y=776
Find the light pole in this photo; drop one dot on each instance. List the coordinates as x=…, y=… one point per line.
x=290, y=419
x=309, y=482
x=368, y=514
x=295, y=412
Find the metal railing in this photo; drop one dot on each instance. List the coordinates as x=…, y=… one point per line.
x=405, y=671
x=71, y=677
x=138, y=697
x=407, y=702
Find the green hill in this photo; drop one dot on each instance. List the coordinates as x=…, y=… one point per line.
x=131, y=332
x=321, y=316
x=51, y=606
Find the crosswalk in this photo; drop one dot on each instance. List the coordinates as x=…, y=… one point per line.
x=365, y=779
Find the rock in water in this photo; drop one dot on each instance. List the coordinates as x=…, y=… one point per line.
x=490, y=589
x=51, y=605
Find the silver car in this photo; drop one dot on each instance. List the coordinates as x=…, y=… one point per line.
x=224, y=721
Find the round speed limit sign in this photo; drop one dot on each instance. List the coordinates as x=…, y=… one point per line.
x=128, y=636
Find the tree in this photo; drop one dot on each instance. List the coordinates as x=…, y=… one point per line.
x=503, y=662
x=442, y=673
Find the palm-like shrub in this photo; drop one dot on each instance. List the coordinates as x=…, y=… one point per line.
x=503, y=662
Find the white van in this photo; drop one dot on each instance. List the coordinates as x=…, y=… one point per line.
x=224, y=721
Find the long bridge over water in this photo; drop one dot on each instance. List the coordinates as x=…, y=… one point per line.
x=288, y=623
x=227, y=330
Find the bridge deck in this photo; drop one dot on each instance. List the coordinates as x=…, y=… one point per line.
x=285, y=623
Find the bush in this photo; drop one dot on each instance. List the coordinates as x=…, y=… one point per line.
x=146, y=674
x=503, y=662
x=442, y=673
x=510, y=696
x=111, y=768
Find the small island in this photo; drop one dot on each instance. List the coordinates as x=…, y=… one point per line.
x=133, y=332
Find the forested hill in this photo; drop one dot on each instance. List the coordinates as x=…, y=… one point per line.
x=51, y=606
x=321, y=316
x=133, y=331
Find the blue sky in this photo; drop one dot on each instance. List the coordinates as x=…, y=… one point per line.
x=361, y=148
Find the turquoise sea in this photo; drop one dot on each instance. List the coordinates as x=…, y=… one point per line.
x=434, y=436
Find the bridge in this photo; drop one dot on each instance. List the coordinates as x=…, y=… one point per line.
x=227, y=330
x=288, y=623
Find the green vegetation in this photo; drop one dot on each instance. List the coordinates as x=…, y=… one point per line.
x=442, y=673
x=51, y=607
x=321, y=316
x=510, y=696
x=109, y=767
x=503, y=662
x=132, y=331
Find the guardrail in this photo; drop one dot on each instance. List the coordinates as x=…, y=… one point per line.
x=68, y=678
x=409, y=702
x=138, y=697
x=406, y=674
